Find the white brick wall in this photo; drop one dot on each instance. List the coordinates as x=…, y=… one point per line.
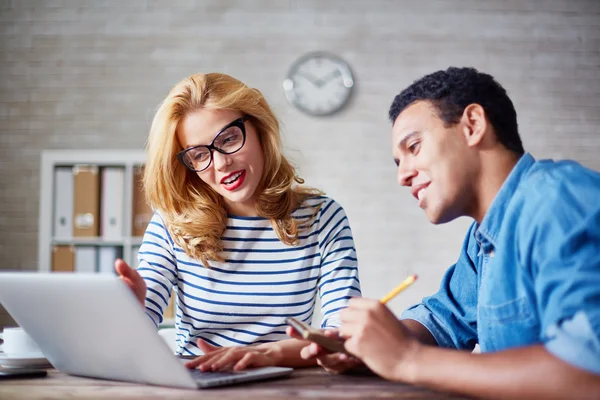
x=80, y=74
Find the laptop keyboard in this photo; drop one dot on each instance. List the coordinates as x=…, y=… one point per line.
x=197, y=374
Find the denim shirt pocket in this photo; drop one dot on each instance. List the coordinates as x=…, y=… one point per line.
x=509, y=324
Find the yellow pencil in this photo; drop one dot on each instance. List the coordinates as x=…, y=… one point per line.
x=406, y=283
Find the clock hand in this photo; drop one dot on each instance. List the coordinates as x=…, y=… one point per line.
x=328, y=78
x=309, y=78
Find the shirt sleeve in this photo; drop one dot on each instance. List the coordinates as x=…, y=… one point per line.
x=450, y=315
x=338, y=281
x=564, y=246
x=158, y=266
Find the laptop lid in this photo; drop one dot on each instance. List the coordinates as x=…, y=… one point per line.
x=92, y=325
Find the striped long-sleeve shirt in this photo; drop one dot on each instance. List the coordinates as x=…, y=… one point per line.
x=247, y=298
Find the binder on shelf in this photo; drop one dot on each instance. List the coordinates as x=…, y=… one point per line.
x=106, y=259
x=111, y=213
x=63, y=259
x=86, y=200
x=63, y=202
x=75, y=196
x=141, y=211
x=85, y=259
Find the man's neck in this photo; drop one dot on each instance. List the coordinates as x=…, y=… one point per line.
x=495, y=168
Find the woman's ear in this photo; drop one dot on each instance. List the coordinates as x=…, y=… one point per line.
x=475, y=124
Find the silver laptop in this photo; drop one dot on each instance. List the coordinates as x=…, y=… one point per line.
x=92, y=325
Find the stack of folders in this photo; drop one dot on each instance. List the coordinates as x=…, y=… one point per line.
x=89, y=217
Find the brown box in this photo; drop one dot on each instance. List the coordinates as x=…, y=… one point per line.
x=63, y=258
x=86, y=202
x=141, y=211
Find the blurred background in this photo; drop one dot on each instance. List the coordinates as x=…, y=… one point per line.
x=90, y=74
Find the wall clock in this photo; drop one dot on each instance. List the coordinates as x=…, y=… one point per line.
x=319, y=83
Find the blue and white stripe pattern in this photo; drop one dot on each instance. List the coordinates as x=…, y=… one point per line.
x=247, y=298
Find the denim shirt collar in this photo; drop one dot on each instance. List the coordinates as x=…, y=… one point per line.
x=490, y=225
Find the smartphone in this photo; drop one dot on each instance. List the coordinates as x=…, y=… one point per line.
x=314, y=335
x=14, y=373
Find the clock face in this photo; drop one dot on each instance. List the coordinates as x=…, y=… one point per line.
x=319, y=84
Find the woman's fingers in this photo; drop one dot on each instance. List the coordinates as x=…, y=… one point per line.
x=227, y=359
x=132, y=279
x=249, y=360
x=206, y=347
x=205, y=361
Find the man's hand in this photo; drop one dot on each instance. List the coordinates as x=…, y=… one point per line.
x=333, y=363
x=132, y=279
x=236, y=358
x=379, y=339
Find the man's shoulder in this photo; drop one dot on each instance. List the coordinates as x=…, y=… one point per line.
x=557, y=190
x=560, y=174
x=554, y=183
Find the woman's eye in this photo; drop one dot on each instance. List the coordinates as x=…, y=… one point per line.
x=201, y=156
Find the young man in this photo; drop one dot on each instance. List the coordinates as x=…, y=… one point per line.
x=526, y=285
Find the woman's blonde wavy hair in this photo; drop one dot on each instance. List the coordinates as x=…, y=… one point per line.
x=193, y=212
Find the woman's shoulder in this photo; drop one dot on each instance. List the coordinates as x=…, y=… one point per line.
x=311, y=202
x=158, y=220
x=317, y=203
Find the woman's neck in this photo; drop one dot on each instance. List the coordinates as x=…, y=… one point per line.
x=245, y=209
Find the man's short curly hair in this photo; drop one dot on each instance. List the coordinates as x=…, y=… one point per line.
x=452, y=90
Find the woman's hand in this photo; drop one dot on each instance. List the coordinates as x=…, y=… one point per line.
x=132, y=279
x=333, y=363
x=236, y=358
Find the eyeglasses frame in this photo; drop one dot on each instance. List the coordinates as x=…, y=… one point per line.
x=239, y=122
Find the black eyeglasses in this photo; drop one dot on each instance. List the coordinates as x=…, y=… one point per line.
x=229, y=140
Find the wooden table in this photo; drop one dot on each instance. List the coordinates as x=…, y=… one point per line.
x=308, y=383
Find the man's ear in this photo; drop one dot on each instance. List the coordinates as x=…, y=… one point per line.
x=474, y=124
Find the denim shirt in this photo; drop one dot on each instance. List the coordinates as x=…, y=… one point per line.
x=530, y=273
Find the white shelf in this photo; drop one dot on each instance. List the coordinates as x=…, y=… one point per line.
x=50, y=160
x=96, y=241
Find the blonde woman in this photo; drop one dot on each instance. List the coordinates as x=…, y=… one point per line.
x=235, y=234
